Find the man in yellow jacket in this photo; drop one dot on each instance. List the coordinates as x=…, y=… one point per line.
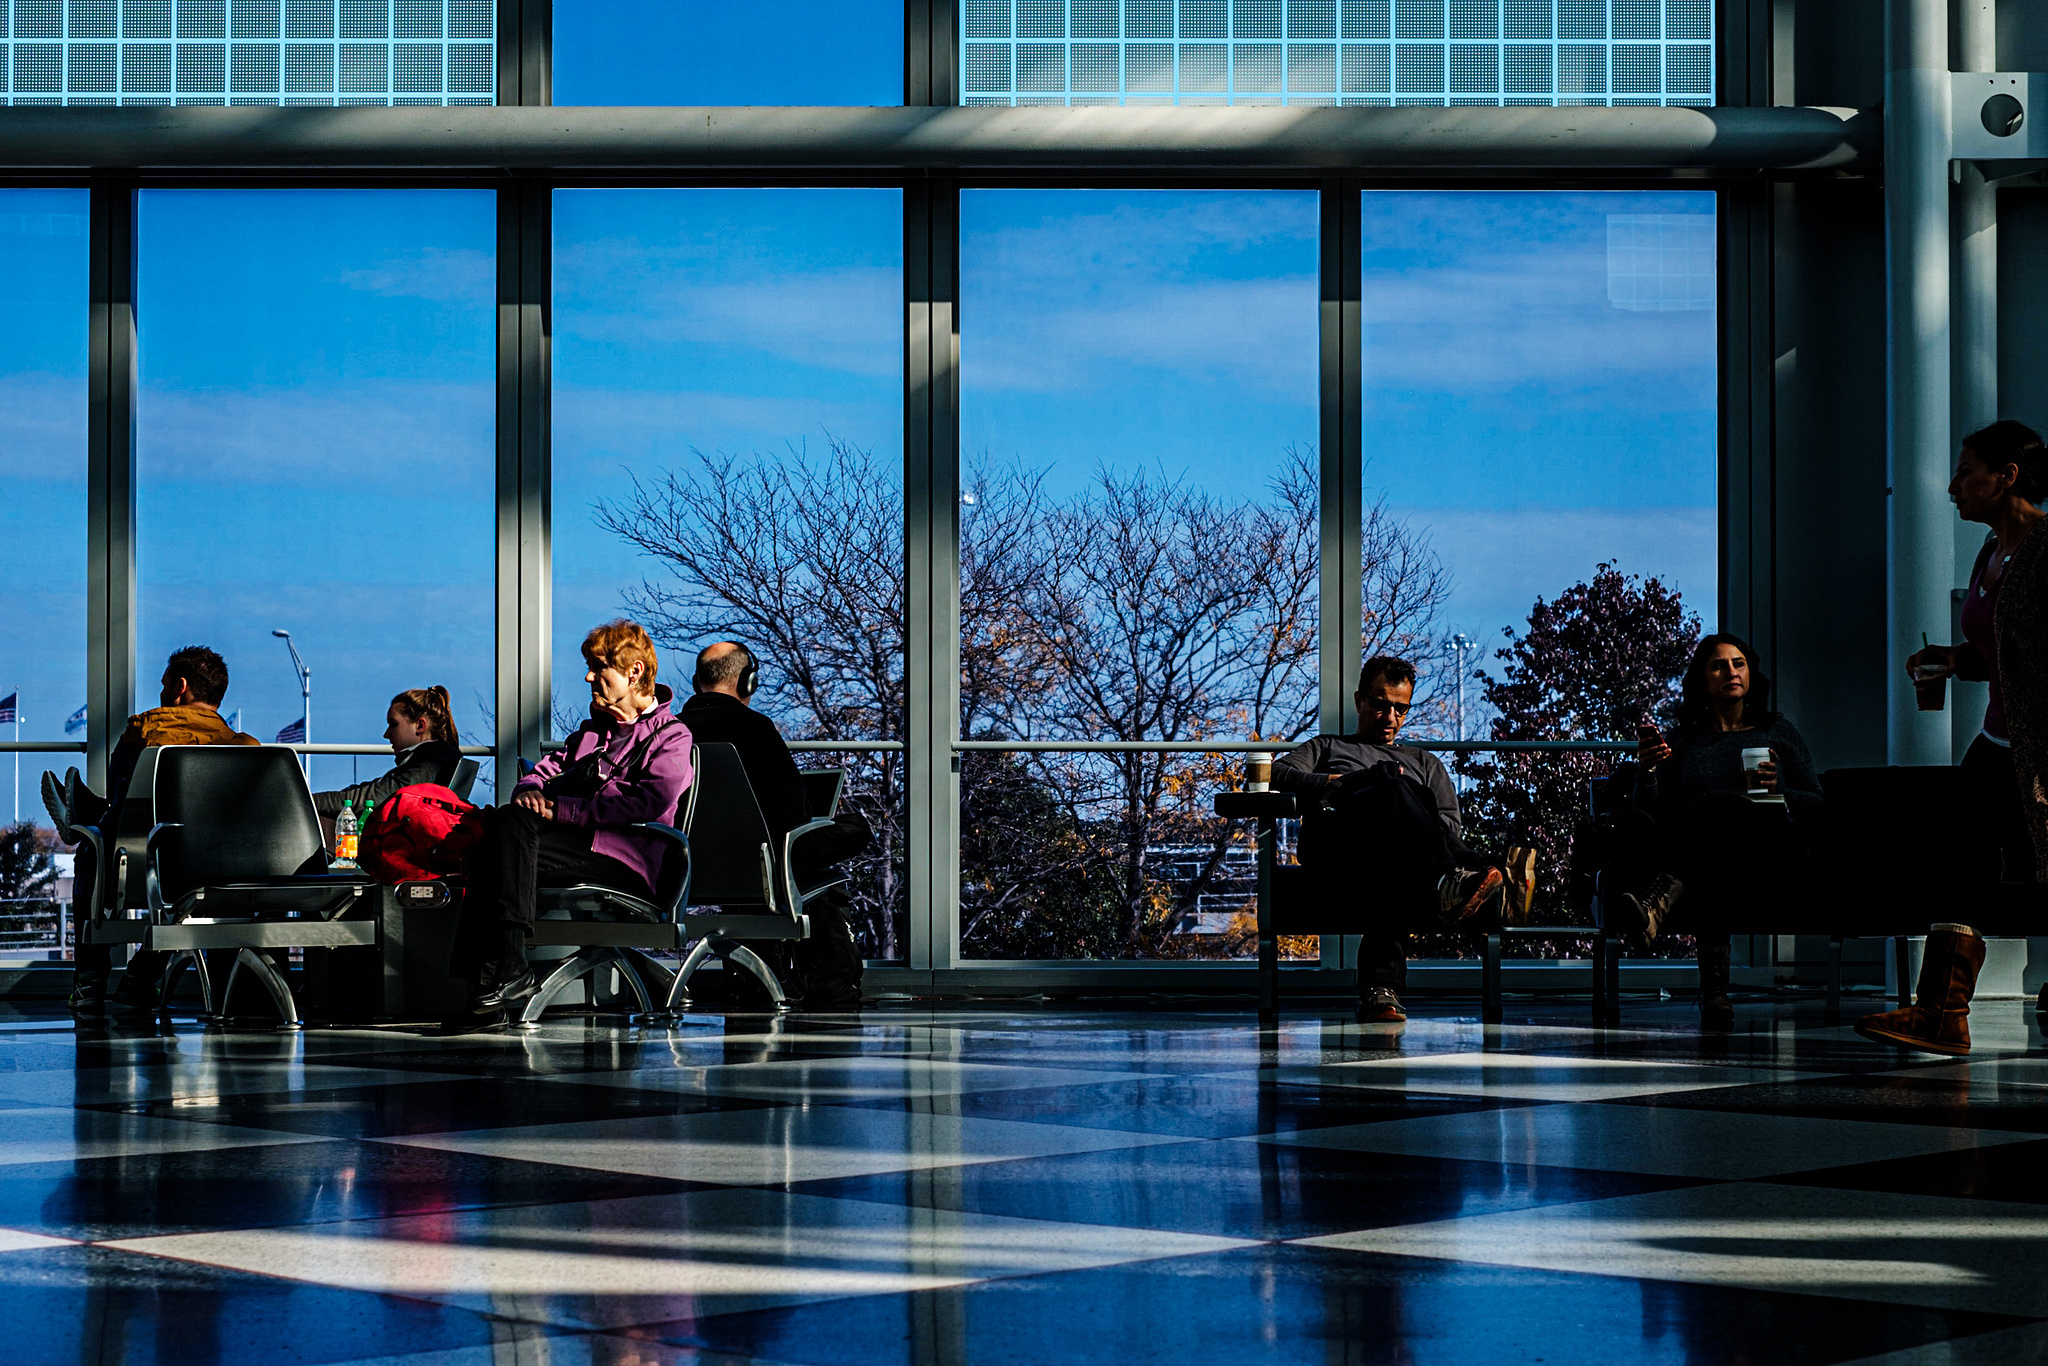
x=194, y=683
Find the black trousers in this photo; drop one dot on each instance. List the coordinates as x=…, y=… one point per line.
x=1382, y=850
x=1984, y=828
x=1722, y=848
x=518, y=850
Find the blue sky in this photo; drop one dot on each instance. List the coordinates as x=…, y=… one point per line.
x=316, y=413
x=717, y=52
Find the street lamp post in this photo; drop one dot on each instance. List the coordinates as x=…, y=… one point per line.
x=1461, y=644
x=305, y=700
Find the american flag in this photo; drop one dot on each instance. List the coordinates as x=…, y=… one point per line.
x=10, y=709
x=76, y=723
x=294, y=734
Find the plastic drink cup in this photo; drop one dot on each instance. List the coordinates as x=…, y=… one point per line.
x=1258, y=773
x=1752, y=760
x=1930, y=687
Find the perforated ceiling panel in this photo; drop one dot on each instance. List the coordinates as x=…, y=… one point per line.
x=1498, y=52
x=248, y=51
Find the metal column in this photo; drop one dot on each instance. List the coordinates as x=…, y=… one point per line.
x=110, y=475
x=1975, y=343
x=525, y=564
x=931, y=507
x=1341, y=592
x=1921, y=525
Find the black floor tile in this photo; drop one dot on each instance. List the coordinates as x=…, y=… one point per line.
x=1887, y=1098
x=1315, y=1307
x=1239, y=1189
x=287, y=1183
x=2001, y=1171
x=437, y=1107
x=1215, y=1106
x=73, y=1305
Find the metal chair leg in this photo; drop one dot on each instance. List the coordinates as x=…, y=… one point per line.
x=1489, y=981
x=1834, y=997
x=741, y=955
x=644, y=972
x=679, y=987
x=574, y=966
x=280, y=991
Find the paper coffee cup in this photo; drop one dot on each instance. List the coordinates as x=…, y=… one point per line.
x=1752, y=760
x=1258, y=773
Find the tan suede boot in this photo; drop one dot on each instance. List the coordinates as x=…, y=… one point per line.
x=1938, y=1021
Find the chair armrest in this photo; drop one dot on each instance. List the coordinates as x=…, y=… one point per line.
x=151, y=872
x=96, y=842
x=793, y=900
x=677, y=837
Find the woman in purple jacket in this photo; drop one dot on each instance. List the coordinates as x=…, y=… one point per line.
x=572, y=816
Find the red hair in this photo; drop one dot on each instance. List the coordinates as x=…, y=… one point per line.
x=620, y=645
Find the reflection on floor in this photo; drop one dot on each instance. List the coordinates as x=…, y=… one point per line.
x=1005, y=1185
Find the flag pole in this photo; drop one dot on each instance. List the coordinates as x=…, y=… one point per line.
x=17, y=756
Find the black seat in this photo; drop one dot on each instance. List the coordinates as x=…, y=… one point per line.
x=822, y=790
x=236, y=861
x=464, y=778
x=119, y=913
x=725, y=858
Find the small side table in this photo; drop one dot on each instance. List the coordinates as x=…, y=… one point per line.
x=1268, y=809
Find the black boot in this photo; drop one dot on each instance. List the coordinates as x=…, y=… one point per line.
x=507, y=980
x=1717, y=1013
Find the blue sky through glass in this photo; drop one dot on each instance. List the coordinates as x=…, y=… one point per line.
x=42, y=460
x=1522, y=404
x=741, y=321
x=315, y=448
x=654, y=52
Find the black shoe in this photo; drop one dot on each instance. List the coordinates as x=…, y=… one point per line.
x=88, y=995
x=1380, y=1005
x=59, y=808
x=1641, y=916
x=505, y=994
x=1464, y=892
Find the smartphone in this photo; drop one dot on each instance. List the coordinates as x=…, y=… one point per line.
x=1647, y=733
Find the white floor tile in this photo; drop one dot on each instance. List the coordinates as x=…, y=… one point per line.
x=769, y=1146
x=14, y=1240
x=1937, y=1251
x=661, y=1258
x=195, y=1081
x=1530, y=1076
x=76, y=1135
x=1660, y=1140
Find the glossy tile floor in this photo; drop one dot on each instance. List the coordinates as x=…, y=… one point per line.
x=1008, y=1185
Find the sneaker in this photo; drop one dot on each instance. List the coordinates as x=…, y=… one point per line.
x=88, y=995
x=1380, y=1005
x=1464, y=892
x=1520, y=867
x=59, y=806
x=1642, y=915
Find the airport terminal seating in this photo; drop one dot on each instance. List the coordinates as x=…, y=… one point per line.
x=235, y=862
x=725, y=858
x=1877, y=872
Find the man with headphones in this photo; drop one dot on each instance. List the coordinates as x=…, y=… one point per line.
x=828, y=964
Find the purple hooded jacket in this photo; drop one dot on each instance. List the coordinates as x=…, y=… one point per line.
x=646, y=769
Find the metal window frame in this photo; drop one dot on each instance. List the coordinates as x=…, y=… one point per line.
x=931, y=395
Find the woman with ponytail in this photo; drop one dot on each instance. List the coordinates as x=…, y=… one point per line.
x=423, y=738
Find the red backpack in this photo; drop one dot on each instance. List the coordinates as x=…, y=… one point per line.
x=421, y=831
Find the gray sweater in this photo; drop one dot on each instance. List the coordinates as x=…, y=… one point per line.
x=1302, y=770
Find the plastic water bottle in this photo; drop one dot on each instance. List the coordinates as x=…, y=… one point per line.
x=347, y=836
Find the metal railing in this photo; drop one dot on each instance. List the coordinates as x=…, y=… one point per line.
x=1279, y=746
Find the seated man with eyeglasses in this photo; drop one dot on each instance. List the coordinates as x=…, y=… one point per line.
x=1380, y=821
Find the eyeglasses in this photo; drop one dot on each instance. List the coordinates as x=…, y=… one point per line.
x=1384, y=704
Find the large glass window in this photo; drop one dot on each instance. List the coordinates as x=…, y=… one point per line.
x=43, y=319
x=315, y=452
x=298, y=52
x=1139, y=420
x=1499, y=52
x=1540, y=407
x=728, y=463
x=653, y=52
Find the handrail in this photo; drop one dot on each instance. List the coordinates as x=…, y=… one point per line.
x=42, y=746
x=827, y=746
x=1279, y=746
x=381, y=747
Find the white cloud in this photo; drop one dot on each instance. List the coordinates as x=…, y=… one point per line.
x=439, y=274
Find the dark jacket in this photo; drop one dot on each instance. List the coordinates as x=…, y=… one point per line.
x=715, y=718
x=643, y=768
x=1705, y=761
x=433, y=761
x=1303, y=770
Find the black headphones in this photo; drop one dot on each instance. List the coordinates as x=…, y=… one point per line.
x=749, y=679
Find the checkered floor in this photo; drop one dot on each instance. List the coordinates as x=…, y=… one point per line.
x=1026, y=1186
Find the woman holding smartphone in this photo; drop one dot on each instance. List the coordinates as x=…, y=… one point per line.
x=1727, y=797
